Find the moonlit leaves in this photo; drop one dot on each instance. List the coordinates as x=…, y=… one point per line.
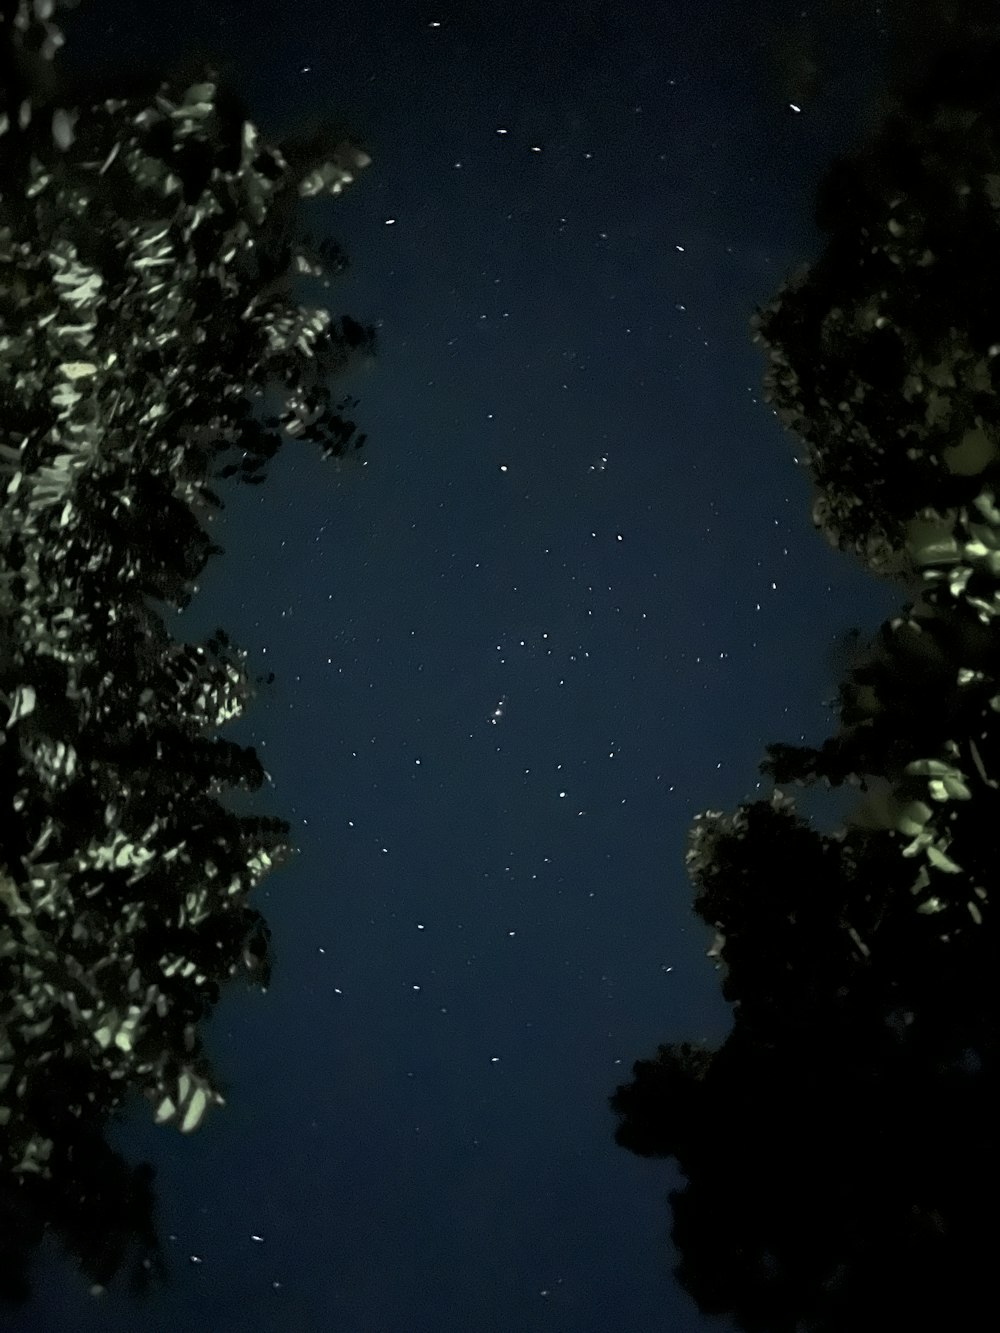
x=120, y=1031
x=331, y=177
x=299, y=329
x=64, y=128
x=198, y=102
x=76, y=285
x=945, y=782
x=74, y=370
x=938, y=540
x=187, y=1104
x=24, y=703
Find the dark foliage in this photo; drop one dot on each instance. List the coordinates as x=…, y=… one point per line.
x=840, y=1149
x=147, y=253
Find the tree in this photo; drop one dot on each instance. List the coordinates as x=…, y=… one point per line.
x=840, y=1148
x=147, y=251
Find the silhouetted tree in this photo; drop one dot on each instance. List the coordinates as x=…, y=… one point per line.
x=840, y=1149
x=147, y=250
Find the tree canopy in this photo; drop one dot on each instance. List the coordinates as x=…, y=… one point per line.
x=148, y=246
x=839, y=1149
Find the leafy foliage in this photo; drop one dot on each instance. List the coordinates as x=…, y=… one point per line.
x=840, y=1148
x=147, y=250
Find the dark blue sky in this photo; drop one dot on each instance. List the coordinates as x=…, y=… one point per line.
x=574, y=508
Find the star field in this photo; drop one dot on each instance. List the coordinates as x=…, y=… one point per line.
x=557, y=607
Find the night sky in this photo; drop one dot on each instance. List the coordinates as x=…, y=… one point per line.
x=555, y=608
